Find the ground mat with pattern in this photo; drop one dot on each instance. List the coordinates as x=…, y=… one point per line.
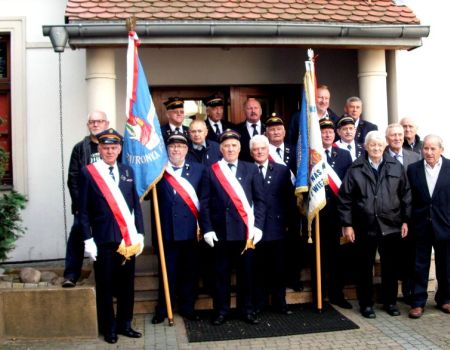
x=304, y=319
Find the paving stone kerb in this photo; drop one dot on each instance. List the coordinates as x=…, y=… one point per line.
x=48, y=312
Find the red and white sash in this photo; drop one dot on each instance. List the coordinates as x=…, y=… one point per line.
x=114, y=197
x=184, y=188
x=236, y=193
x=333, y=179
x=275, y=157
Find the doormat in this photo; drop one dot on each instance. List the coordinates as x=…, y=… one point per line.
x=304, y=319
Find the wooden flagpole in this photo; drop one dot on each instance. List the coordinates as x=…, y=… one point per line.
x=318, y=265
x=162, y=258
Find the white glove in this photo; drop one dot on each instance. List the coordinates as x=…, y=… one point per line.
x=210, y=237
x=140, y=240
x=90, y=248
x=257, y=235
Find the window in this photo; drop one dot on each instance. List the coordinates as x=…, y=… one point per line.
x=5, y=105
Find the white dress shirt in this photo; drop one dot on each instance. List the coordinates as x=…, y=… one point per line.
x=432, y=175
x=250, y=127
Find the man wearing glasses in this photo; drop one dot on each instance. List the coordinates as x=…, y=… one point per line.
x=84, y=152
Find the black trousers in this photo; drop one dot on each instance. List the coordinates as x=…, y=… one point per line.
x=228, y=254
x=270, y=274
x=74, y=252
x=113, y=277
x=423, y=261
x=182, y=275
x=388, y=248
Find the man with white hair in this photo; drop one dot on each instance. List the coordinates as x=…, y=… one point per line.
x=412, y=141
x=374, y=208
x=280, y=210
x=430, y=187
x=394, y=138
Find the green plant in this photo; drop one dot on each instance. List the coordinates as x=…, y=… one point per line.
x=11, y=203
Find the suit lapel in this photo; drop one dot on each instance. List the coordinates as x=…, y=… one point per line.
x=442, y=178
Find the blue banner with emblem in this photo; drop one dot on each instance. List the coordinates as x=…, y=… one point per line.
x=143, y=146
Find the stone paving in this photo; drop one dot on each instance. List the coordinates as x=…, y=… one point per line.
x=432, y=331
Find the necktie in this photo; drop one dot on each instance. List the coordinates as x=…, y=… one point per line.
x=398, y=157
x=255, y=132
x=111, y=168
x=349, y=147
x=217, y=129
x=175, y=168
x=232, y=168
x=177, y=130
x=261, y=167
x=327, y=152
x=279, y=152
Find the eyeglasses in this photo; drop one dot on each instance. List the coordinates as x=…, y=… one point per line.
x=177, y=146
x=93, y=122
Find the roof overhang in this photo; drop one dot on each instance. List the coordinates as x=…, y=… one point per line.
x=169, y=33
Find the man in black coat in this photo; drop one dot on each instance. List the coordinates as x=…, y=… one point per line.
x=353, y=108
x=430, y=187
x=250, y=127
x=346, y=130
x=175, y=117
x=215, y=122
x=84, y=152
x=374, y=209
x=112, y=227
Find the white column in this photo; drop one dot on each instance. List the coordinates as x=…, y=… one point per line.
x=101, y=82
x=372, y=86
x=391, y=62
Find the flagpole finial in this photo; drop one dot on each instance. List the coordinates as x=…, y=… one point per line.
x=131, y=23
x=310, y=54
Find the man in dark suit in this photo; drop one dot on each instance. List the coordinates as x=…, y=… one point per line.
x=250, y=127
x=353, y=108
x=201, y=149
x=430, y=187
x=280, y=152
x=335, y=257
x=179, y=208
x=394, y=138
x=346, y=130
x=214, y=117
x=108, y=196
x=232, y=218
x=270, y=260
x=175, y=117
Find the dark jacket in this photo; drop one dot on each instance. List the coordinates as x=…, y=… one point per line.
x=375, y=206
x=417, y=146
x=207, y=156
x=80, y=157
x=430, y=210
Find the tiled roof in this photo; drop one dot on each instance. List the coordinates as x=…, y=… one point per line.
x=315, y=11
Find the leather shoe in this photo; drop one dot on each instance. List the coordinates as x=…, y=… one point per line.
x=416, y=312
x=250, y=318
x=130, y=333
x=219, y=320
x=444, y=308
x=368, y=312
x=69, y=283
x=391, y=310
x=158, y=319
x=343, y=303
x=111, y=338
